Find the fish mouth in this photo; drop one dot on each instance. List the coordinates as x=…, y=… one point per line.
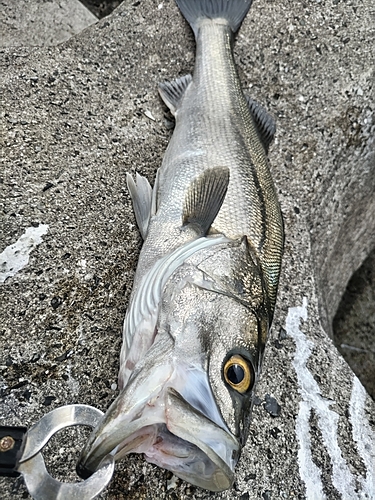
x=168, y=428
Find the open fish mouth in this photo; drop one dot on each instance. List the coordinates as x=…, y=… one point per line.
x=187, y=445
x=168, y=428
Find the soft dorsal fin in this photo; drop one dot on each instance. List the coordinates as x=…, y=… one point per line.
x=204, y=198
x=141, y=195
x=264, y=122
x=173, y=92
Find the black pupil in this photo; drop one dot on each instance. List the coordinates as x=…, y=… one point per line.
x=235, y=374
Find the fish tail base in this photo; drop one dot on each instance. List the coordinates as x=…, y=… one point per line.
x=234, y=11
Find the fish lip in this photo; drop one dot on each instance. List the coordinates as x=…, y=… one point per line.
x=105, y=438
x=122, y=419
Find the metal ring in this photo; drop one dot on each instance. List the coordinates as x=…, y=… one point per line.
x=39, y=483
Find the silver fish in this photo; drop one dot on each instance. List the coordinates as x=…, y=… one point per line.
x=207, y=277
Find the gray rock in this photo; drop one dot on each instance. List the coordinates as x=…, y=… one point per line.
x=42, y=22
x=76, y=121
x=272, y=406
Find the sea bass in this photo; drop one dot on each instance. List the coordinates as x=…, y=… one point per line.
x=207, y=277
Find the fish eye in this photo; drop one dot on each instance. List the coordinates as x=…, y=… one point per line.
x=238, y=373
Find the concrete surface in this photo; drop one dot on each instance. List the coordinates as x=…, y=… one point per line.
x=77, y=118
x=42, y=22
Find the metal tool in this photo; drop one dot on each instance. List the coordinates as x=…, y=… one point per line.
x=20, y=453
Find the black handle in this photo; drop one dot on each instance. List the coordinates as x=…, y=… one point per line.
x=12, y=440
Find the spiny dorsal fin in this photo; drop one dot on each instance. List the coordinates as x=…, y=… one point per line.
x=204, y=198
x=173, y=92
x=141, y=195
x=264, y=122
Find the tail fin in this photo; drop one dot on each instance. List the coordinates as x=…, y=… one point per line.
x=233, y=11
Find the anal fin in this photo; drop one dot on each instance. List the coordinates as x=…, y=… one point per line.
x=141, y=195
x=264, y=122
x=173, y=92
x=204, y=199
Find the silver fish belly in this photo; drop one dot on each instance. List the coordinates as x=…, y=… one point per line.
x=206, y=282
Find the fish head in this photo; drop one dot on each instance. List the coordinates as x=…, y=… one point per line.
x=216, y=310
x=186, y=405
x=236, y=331
x=167, y=412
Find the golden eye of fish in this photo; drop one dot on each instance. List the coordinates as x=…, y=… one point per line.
x=238, y=374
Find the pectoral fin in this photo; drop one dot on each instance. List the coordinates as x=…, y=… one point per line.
x=204, y=198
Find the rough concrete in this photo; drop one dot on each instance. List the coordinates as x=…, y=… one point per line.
x=42, y=22
x=76, y=122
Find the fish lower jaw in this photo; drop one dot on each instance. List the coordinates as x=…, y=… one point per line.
x=186, y=460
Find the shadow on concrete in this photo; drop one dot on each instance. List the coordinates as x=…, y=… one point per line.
x=101, y=8
x=354, y=324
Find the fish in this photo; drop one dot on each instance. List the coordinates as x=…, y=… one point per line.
x=206, y=282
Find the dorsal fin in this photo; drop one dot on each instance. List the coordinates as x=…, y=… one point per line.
x=264, y=122
x=173, y=92
x=204, y=198
x=141, y=195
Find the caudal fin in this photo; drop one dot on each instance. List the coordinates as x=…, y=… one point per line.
x=233, y=11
